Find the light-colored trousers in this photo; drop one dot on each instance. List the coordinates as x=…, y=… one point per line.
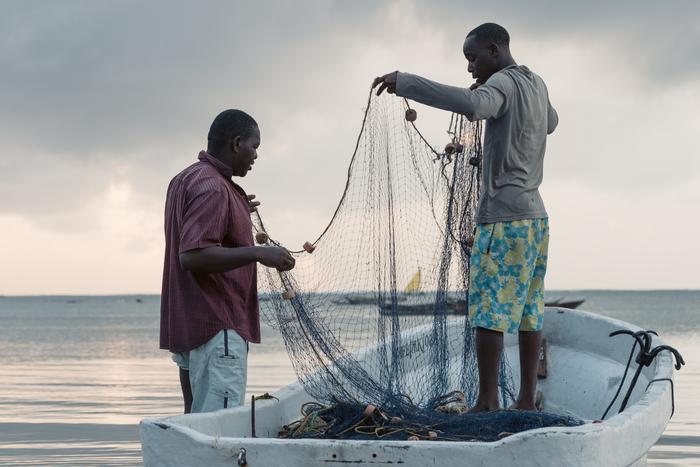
x=218, y=371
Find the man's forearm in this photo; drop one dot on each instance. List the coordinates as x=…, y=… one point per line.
x=434, y=94
x=478, y=104
x=218, y=258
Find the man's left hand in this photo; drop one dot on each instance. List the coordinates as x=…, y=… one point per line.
x=388, y=82
x=252, y=205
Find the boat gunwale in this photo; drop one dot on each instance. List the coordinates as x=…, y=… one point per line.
x=635, y=413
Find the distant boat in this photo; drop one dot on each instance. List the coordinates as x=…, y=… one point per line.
x=358, y=299
x=561, y=303
x=412, y=287
x=452, y=307
x=459, y=306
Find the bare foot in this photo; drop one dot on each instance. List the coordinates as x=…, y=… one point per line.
x=522, y=406
x=480, y=407
x=528, y=403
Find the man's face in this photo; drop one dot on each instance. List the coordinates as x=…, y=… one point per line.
x=245, y=153
x=481, y=59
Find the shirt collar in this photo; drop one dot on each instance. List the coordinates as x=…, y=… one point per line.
x=220, y=167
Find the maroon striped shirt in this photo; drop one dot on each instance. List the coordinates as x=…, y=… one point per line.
x=205, y=208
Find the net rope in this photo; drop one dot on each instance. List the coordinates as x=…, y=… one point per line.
x=375, y=311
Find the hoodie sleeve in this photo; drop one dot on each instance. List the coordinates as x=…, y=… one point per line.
x=487, y=101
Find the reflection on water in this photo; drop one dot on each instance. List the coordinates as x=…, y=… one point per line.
x=78, y=373
x=117, y=391
x=50, y=444
x=86, y=412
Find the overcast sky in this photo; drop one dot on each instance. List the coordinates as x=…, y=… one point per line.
x=102, y=103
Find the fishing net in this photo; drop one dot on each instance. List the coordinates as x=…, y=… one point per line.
x=443, y=423
x=375, y=311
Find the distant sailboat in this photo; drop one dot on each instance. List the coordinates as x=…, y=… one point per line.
x=413, y=286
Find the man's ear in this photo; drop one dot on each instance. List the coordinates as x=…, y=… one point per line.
x=494, y=50
x=235, y=144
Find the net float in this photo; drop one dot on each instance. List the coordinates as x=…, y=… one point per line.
x=288, y=294
x=470, y=243
x=309, y=247
x=413, y=438
x=475, y=160
x=261, y=238
x=432, y=435
x=411, y=115
x=450, y=148
x=369, y=411
x=395, y=420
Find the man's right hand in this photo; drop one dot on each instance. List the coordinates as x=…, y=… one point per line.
x=387, y=81
x=275, y=257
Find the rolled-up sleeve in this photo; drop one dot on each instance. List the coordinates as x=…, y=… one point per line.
x=204, y=218
x=485, y=102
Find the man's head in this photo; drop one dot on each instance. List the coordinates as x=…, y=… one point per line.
x=487, y=50
x=234, y=138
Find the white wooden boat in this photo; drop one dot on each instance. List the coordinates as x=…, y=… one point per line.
x=584, y=368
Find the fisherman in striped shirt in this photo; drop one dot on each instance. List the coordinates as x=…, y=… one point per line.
x=209, y=301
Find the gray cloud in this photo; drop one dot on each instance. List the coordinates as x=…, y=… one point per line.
x=93, y=92
x=656, y=40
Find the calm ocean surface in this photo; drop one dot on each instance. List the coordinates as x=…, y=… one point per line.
x=78, y=373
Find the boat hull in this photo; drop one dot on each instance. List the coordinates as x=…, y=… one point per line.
x=585, y=367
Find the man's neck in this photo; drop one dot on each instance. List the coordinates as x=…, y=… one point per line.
x=223, y=158
x=506, y=62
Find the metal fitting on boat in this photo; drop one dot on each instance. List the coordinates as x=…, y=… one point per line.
x=242, y=461
x=645, y=357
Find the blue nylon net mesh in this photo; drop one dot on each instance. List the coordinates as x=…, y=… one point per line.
x=377, y=313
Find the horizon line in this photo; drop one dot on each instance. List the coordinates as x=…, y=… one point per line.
x=149, y=294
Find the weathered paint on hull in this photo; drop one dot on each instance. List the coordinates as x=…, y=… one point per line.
x=584, y=367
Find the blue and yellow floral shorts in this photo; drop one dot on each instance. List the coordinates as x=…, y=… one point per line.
x=506, y=277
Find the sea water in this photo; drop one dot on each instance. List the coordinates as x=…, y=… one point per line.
x=78, y=373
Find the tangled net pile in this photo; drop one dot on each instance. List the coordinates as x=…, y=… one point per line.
x=374, y=315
